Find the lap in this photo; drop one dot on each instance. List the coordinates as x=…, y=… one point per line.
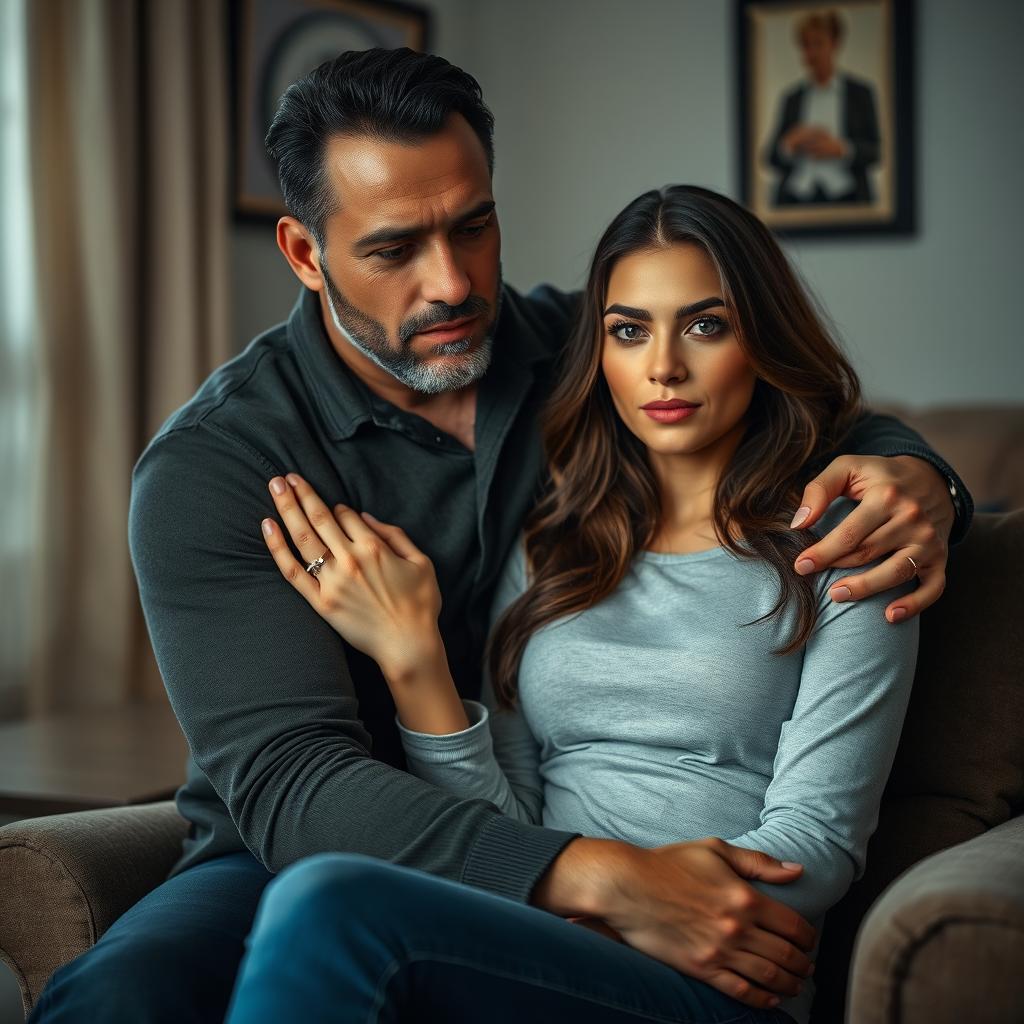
x=173, y=956
x=421, y=940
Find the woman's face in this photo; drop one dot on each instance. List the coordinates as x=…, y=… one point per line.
x=668, y=339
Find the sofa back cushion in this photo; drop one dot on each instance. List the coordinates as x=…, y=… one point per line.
x=959, y=770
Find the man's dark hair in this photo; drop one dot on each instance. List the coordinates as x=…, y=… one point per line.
x=390, y=95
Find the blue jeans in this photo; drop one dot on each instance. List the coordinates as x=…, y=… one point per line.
x=347, y=938
x=170, y=959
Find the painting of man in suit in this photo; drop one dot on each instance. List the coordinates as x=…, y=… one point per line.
x=826, y=112
x=827, y=135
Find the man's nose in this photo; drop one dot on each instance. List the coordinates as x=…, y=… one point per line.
x=444, y=279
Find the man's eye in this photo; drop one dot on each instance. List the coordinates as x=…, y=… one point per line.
x=473, y=230
x=708, y=326
x=392, y=254
x=626, y=331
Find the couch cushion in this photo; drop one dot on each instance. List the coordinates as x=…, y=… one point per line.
x=959, y=769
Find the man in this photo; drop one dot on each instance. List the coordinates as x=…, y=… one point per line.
x=406, y=383
x=827, y=135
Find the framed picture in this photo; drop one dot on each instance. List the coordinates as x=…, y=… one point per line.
x=279, y=41
x=826, y=115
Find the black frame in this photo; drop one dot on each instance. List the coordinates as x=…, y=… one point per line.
x=903, y=220
x=247, y=76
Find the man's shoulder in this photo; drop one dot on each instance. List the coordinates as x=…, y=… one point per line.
x=538, y=320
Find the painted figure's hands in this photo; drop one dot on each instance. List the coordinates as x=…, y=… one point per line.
x=905, y=512
x=688, y=905
x=376, y=588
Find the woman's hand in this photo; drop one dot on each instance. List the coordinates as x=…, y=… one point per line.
x=376, y=588
x=905, y=512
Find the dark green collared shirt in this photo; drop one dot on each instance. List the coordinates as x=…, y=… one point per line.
x=294, y=749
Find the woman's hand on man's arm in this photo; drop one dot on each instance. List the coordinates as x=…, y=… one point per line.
x=905, y=510
x=687, y=904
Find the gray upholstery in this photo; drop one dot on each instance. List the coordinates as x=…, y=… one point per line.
x=66, y=878
x=945, y=943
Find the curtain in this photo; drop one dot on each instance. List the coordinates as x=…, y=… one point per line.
x=128, y=198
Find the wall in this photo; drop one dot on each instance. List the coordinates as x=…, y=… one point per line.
x=596, y=101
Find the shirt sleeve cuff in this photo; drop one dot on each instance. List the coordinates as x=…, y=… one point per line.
x=452, y=746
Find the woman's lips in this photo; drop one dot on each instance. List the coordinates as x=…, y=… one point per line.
x=669, y=412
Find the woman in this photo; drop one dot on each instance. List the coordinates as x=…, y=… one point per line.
x=656, y=672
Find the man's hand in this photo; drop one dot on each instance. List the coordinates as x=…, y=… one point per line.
x=905, y=511
x=687, y=904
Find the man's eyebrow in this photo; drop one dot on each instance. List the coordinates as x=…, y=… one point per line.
x=396, y=234
x=682, y=311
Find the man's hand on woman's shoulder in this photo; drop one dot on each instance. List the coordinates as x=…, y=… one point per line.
x=905, y=511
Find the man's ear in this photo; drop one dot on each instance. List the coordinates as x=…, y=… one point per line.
x=301, y=252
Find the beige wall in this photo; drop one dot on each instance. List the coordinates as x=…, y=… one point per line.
x=597, y=101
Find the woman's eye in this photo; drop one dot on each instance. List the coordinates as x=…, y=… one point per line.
x=626, y=332
x=708, y=326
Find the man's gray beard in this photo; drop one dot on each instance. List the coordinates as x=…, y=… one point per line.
x=369, y=337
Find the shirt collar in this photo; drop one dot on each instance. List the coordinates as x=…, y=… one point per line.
x=344, y=401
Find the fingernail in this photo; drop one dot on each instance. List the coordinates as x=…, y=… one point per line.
x=277, y=485
x=804, y=566
x=790, y=864
x=268, y=527
x=841, y=594
x=801, y=514
x=898, y=614
x=293, y=479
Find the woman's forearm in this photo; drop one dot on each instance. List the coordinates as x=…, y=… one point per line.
x=425, y=695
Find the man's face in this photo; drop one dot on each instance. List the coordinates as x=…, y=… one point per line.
x=411, y=258
x=819, y=52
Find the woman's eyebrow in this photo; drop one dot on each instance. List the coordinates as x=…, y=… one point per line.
x=682, y=311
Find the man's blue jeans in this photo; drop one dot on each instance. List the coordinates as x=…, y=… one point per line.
x=170, y=959
x=346, y=938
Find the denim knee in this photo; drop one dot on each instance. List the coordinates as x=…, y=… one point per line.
x=320, y=886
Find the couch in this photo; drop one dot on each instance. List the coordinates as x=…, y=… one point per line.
x=933, y=933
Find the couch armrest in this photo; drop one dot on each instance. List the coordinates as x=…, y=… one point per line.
x=945, y=942
x=68, y=877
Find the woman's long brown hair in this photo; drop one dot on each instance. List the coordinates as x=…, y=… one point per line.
x=602, y=504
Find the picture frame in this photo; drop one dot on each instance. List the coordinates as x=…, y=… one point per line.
x=826, y=115
x=276, y=42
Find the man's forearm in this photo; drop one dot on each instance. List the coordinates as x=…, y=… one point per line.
x=579, y=877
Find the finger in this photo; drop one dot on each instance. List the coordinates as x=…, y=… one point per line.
x=764, y=973
x=785, y=923
x=778, y=951
x=933, y=583
x=732, y=984
x=311, y=526
x=396, y=537
x=843, y=538
x=895, y=570
x=822, y=491
x=884, y=541
x=757, y=864
x=292, y=571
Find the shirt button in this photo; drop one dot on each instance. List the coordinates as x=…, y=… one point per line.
x=437, y=438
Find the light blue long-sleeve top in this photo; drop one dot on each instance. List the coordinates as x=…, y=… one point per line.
x=657, y=717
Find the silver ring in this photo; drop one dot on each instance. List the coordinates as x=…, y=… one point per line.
x=913, y=563
x=315, y=567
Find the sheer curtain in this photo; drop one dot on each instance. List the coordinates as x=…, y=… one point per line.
x=19, y=393
x=121, y=310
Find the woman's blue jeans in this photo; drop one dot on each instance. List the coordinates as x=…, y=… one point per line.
x=347, y=938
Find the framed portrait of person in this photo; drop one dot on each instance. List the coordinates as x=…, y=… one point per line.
x=826, y=129
x=276, y=42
